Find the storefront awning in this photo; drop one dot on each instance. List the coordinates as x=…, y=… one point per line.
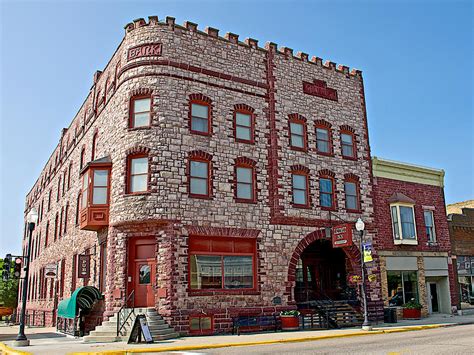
x=83, y=298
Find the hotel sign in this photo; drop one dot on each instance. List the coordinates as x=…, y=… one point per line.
x=84, y=269
x=342, y=235
x=319, y=88
x=144, y=50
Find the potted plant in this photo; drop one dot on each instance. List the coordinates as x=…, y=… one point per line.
x=412, y=310
x=290, y=320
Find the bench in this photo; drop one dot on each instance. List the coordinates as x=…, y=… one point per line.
x=254, y=323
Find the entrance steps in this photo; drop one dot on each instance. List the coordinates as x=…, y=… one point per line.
x=107, y=331
x=340, y=313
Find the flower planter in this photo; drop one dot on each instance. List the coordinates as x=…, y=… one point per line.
x=290, y=322
x=411, y=313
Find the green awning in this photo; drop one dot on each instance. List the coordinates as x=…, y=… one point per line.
x=83, y=298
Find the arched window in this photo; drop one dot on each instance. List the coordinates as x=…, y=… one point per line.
x=298, y=132
x=69, y=176
x=323, y=137
x=245, y=180
x=200, y=114
x=244, y=123
x=199, y=174
x=348, y=143
x=300, y=186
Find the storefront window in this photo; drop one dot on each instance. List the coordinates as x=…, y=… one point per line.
x=466, y=278
x=402, y=287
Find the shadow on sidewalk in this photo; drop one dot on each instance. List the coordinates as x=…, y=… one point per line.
x=45, y=335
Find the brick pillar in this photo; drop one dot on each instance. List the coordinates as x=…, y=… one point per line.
x=423, y=296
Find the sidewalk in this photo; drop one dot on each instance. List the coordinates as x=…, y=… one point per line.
x=47, y=341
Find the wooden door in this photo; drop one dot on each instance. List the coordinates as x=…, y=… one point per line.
x=142, y=271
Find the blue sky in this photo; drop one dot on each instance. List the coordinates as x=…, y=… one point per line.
x=416, y=58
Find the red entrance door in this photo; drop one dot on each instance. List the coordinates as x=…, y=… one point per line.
x=142, y=271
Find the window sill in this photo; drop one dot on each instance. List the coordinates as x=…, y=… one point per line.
x=432, y=244
x=405, y=242
x=307, y=207
x=325, y=154
x=252, y=141
x=349, y=158
x=205, y=134
x=144, y=193
x=240, y=200
x=144, y=128
x=298, y=149
x=328, y=208
x=201, y=197
x=353, y=211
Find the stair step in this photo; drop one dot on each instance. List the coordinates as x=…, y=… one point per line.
x=101, y=339
x=165, y=337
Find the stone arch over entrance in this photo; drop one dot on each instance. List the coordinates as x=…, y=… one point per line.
x=352, y=253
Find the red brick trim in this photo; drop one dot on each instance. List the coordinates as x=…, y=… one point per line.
x=222, y=232
x=199, y=154
x=351, y=177
x=244, y=107
x=347, y=128
x=245, y=161
x=299, y=169
x=326, y=173
x=137, y=150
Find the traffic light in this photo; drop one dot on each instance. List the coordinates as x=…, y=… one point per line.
x=17, y=268
x=7, y=264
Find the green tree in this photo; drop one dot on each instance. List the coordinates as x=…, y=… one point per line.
x=8, y=290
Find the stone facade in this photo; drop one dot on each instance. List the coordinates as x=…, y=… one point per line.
x=173, y=64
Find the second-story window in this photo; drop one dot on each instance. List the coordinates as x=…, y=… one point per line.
x=429, y=225
x=94, y=146
x=326, y=192
x=297, y=128
x=100, y=183
x=245, y=181
x=199, y=178
x=200, y=118
x=243, y=123
x=403, y=223
x=323, y=137
x=300, y=189
x=82, y=159
x=140, y=112
x=85, y=191
x=137, y=174
x=351, y=195
x=348, y=144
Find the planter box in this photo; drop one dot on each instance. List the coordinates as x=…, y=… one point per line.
x=290, y=322
x=411, y=313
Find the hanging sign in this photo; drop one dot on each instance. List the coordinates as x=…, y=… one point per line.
x=50, y=271
x=342, y=235
x=367, y=252
x=84, y=269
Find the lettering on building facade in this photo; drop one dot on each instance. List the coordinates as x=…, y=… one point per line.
x=319, y=88
x=144, y=50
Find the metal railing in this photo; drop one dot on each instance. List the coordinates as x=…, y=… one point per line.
x=324, y=306
x=33, y=318
x=122, y=319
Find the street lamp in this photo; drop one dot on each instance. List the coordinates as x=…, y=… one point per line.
x=360, y=225
x=32, y=219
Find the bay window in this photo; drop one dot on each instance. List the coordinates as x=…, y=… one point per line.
x=403, y=224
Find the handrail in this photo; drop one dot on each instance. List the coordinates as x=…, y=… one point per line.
x=121, y=325
x=324, y=304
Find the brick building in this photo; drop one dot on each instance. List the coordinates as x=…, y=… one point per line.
x=201, y=173
x=412, y=236
x=461, y=230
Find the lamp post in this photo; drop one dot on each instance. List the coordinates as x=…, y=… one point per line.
x=32, y=219
x=360, y=225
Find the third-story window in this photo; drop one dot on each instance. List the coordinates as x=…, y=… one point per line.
x=200, y=118
x=300, y=189
x=140, y=112
x=429, y=225
x=323, y=140
x=347, y=145
x=245, y=185
x=297, y=135
x=138, y=174
x=326, y=192
x=199, y=178
x=352, y=200
x=243, y=127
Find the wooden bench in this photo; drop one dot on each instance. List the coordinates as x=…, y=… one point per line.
x=252, y=323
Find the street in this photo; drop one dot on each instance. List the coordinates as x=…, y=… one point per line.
x=450, y=340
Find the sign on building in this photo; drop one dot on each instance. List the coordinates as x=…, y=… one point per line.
x=342, y=235
x=84, y=268
x=50, y=271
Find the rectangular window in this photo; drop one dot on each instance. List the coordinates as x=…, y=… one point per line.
x=300, y=189
x=200, y=324
x=395, y=224
x=322, y=140
x=138, y=174
x=326, y=193
x=243, y=126
x=244, y=183
x=408, y=222
x=85, y=189
x=199, y=178
x=141, y=112
x=199, y=118
x=100, y=182
x=297, y=135
x=402, y=287
x=350, y=189
x=403, y=224
x=347, y=145
x=429, y=225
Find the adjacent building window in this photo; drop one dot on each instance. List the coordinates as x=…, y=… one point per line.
x=222, y=263
x=200, y=117
x=244, y=127
x=326, y=192
x=347, y=144
x=140, y=112
x=403, y=224
x=300, y=189
x=429, y=225
x=402, y=287
x=199, y=178
x=137, y=174
x=298, y=134
x=351, y=195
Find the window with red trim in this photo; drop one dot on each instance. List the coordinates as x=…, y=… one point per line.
x=300, y=193
x=200, y=116
x=351, y=191
x=140, y=111
x=59, y=189
x=69, y=176
x=244, y=182
x=78, y=207
x=64, y=182
x=348, y=144
x=222, y=263
x=323, y=140
x=49, y=200
x=82, y=159
x=199, y=178
x=46, y=235
x=137, y=173
x=297, y=134
x=243, y=126
x=65, y=218
x=201, y=324
x=56, y=221
x=60, y=232
x=94, y=146
x=326, y=192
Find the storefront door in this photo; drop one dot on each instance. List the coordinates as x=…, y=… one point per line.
x=433, y=302
x=142, y=271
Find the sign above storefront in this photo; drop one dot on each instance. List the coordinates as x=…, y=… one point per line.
x=342, y=235
x=144, y=50
x=84, y=269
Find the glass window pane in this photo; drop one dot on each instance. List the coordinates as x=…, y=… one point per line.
x=296, y=128
x=100, y=196
x=242, y=119
x=326, y=200
x=206, y=271
x=408, y=225
x=299, y=197
x=85, y=182
x=198, y=186
x=139, y=183
x=428, y=218
x=325, y=185
x=351, y=202
x=410, y=285
x=323, y=147
x=198, y=169
x=244, y=191
x=350, y=188
x=139, y=166
x=243, y=133
x=194, y=323
x=244, y=175
x=396, y=232
x=346, y=138
x=297, y=141
x=299, y=181
x=322, y=134
x=141, y=120
x=100, y=177
x=84, y=199
x=395, y=288
x=144, y=275
x=347, y=151
x=142, y=105
x=199, y=124
x=238, y=272
x=199, y=111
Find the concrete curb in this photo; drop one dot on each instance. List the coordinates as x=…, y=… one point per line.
x=264, y=342
x=10, y=351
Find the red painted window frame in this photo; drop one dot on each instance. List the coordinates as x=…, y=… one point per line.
x=94, y=145
x=82, y=158
x=209, y=177
x=222, y=254
x=203, y=332
x=252, y=126
x=129, y=174
x=49, y=200
x=61, y=223
x=59, y=188
x=354, y=146
x=46, y=235
x=306, y=175
x=333, y=193
x=253, y=199
x=56, y=221
x=69, y=176
x=209, y=117
x=131, y=113
x=330, y=143
x=305, y=134
x=357, y=186
x=66, y=210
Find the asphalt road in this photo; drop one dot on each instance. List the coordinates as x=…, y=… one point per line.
x=450, y=340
